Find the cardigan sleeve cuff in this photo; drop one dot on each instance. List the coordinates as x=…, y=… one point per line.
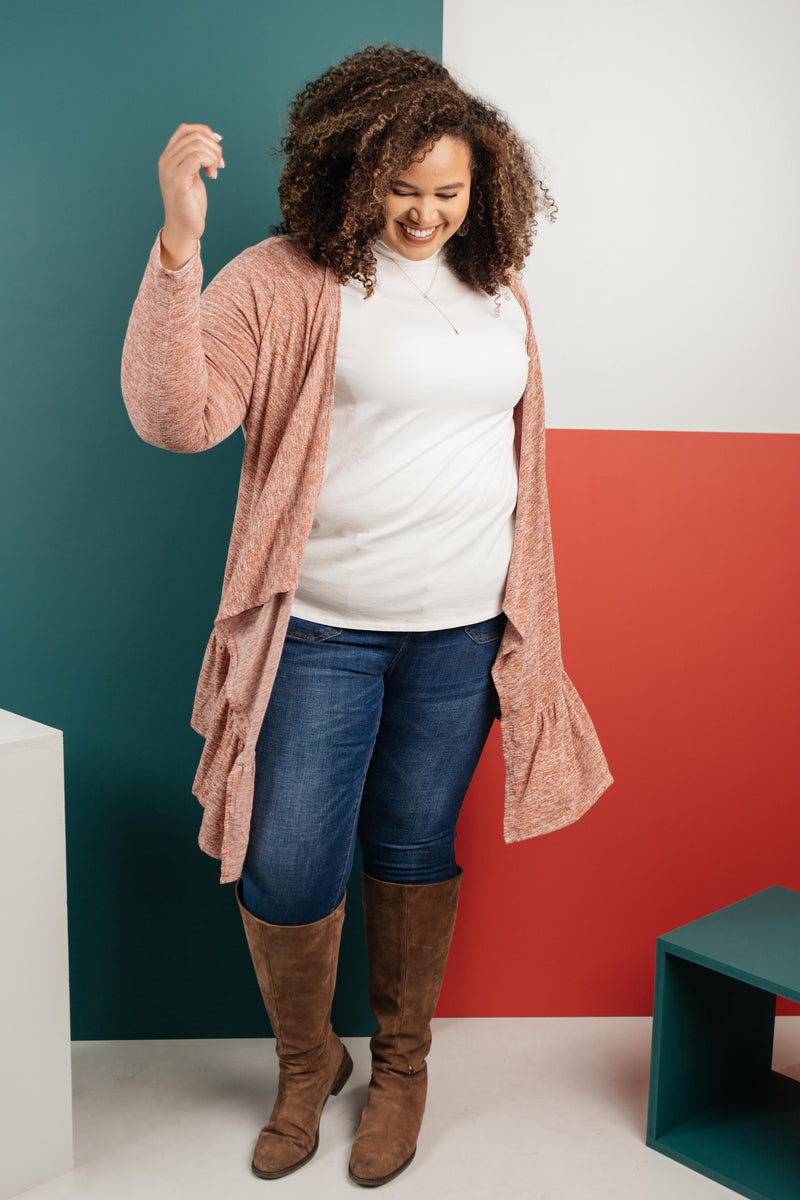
x=561, y=768
x=187, y=274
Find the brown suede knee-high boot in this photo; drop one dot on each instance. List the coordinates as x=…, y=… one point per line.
x=409, y=929
x=296, y=970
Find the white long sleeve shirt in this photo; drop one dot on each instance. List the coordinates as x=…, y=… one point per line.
x=414, y=524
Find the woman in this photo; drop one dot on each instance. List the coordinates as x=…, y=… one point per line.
x=389, y=588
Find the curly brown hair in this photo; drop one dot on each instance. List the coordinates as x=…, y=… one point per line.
x=359, y=126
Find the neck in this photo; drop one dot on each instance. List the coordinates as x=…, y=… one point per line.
x=385, y=251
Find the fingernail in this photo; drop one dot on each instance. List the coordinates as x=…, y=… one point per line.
x=222, y=162
x=218, y=136
x=213, y=174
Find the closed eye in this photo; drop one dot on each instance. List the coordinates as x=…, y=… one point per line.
x=441, y=195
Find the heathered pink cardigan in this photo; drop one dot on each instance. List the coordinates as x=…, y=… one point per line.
x=258, y=349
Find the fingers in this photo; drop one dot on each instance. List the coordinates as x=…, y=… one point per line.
x=192, y=148
x=183, y=129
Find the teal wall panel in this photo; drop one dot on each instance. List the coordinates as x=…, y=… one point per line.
x=113, y=551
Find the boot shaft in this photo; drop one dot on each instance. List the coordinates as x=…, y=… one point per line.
x=409, y=929
x=295, y=966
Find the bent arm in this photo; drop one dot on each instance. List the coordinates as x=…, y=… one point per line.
x=189, y=361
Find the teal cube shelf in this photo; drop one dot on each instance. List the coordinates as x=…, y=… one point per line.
x=715, y=1103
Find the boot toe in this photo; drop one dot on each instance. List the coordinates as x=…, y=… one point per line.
x=386, y=1140
x=372, y=1165
x=277, y=1155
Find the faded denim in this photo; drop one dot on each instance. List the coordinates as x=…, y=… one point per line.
x=373, y=734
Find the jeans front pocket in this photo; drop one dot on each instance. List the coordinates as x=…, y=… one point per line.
x=490, y=630
x=310, y=631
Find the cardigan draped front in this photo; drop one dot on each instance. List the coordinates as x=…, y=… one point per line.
x=257, y=349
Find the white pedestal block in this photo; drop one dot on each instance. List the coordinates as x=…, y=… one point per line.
x=35, y=1076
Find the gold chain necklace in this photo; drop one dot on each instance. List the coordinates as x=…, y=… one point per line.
x=425, y=295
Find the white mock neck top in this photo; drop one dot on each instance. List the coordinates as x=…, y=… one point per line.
x=414, y=524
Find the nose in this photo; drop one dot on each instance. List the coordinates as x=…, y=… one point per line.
x=424, y=214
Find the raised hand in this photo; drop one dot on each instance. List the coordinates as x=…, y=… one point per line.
x=190, y=150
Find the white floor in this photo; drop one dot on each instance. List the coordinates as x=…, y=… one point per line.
x=540, y=1108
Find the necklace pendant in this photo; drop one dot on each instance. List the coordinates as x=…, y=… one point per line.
x=425, y=295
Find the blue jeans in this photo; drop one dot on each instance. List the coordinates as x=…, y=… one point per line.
x=373, y=734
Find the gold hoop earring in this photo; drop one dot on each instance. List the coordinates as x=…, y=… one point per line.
x=463, y=228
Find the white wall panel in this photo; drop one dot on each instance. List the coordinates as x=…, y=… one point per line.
x=35, y=1078
x=666, y=294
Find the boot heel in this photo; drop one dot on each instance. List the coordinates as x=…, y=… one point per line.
x=343, y=1074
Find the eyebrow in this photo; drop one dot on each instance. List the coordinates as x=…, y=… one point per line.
x=444, y=187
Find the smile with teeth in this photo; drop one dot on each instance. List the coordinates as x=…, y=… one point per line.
x=420, y=234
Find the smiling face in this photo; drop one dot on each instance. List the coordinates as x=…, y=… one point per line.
x=429, y=201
